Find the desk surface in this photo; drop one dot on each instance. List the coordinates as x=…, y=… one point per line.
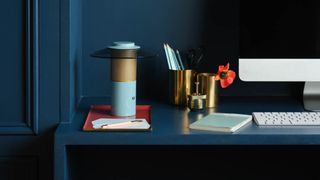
x=170, y=127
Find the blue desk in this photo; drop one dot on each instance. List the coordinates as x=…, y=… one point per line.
x=170, y=127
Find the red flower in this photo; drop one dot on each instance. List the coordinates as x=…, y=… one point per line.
x=225, y=76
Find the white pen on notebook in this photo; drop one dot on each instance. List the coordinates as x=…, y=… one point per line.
x=105, y=121
x=137, y=121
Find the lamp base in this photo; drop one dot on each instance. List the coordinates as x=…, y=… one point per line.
x=123, y=98
x=311, y=96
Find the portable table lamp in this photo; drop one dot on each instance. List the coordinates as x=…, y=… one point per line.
x=123, y=57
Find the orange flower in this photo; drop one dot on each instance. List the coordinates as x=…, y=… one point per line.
x=225, y=76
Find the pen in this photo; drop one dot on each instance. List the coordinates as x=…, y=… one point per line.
x=180, y=60
x=121, y=124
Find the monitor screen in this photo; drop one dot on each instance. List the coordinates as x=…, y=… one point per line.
x=279, y=29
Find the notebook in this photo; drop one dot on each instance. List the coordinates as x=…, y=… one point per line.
x=222, y=122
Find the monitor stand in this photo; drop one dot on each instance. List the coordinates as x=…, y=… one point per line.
x=311, y=96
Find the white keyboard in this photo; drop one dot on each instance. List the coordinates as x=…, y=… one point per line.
x=287, y=118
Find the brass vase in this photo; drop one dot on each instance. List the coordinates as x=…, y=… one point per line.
x=209, y=86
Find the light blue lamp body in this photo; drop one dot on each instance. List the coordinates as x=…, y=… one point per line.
x=123, y=99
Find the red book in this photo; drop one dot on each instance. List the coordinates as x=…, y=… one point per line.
x=104, y=111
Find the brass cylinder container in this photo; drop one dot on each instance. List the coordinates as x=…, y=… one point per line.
x=124, y=65
x=209, y=86
x=181, y=84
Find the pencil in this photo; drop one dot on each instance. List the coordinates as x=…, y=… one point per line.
x=180, y=60
x=168, y=61
x=174, y=58
x=171, y=58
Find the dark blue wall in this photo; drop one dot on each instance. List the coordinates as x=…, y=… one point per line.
x=12, y=69
x=149, y=24
x=29, y=94
x=184, y=24
x=46, y=68
x=291, y=30
x=75, y=53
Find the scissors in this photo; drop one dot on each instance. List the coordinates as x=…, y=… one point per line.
x=194, y=57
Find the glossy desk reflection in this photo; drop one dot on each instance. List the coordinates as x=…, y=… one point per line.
x=189, y=117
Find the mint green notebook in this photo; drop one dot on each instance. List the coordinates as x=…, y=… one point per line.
x=221, y=122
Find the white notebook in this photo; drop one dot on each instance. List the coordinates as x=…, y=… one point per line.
x=223, y=122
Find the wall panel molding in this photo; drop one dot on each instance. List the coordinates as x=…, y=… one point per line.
x=29, y=124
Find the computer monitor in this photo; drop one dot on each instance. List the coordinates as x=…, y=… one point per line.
x=280, y=42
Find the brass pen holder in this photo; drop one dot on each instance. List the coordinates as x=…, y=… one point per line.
x=209, y=86
x=181, y=84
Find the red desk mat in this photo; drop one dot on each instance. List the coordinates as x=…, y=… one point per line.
x=104, y=111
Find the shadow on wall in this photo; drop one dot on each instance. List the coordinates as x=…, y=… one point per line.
x=184, y=24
